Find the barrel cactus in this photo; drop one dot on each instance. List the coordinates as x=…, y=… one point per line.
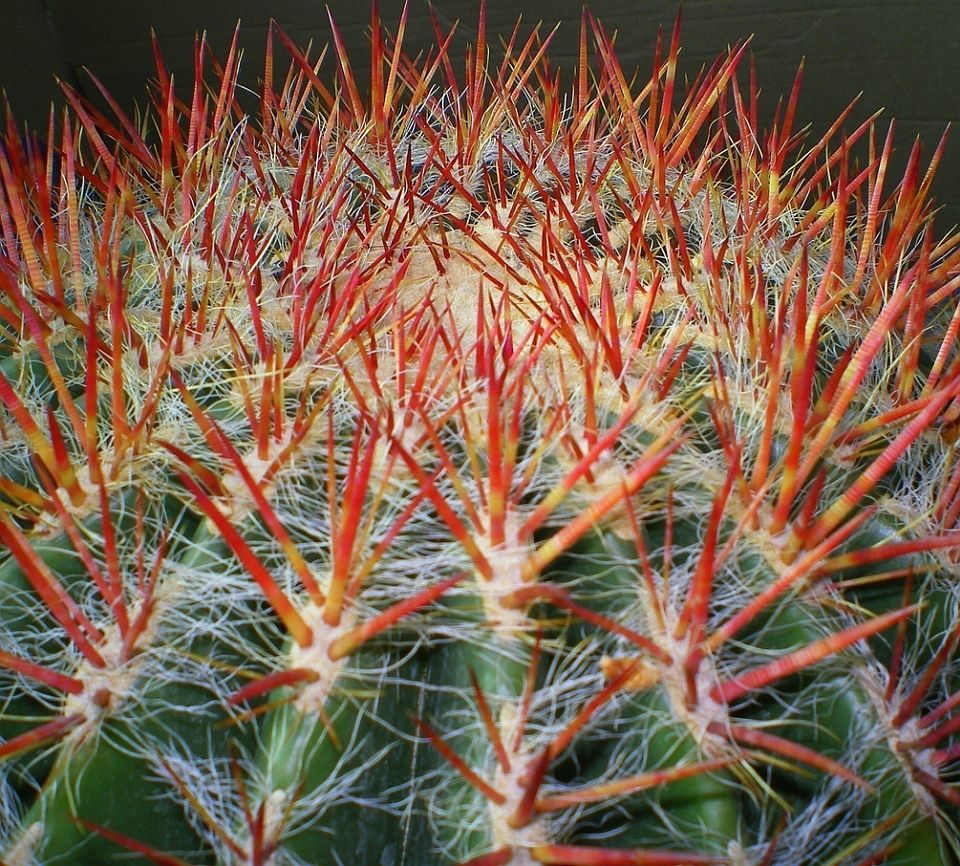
x=483, y=469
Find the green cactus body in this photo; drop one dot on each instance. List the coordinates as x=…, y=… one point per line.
x=477, y=473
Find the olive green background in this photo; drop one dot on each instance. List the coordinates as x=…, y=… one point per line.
x=903, y=56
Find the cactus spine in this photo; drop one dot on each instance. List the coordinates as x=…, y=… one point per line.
x=475, y=471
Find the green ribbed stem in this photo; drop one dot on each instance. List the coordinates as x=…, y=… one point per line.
x=707, y=807
x=373, y=718
x=92, y=779
x=830, y=714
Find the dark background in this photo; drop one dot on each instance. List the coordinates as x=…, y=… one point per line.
x=903, y=56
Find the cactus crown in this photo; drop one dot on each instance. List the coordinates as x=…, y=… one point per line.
x=477, y=471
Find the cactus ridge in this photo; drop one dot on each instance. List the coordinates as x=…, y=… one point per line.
x=482, y=470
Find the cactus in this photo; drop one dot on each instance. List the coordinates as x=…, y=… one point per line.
x=478, y=471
